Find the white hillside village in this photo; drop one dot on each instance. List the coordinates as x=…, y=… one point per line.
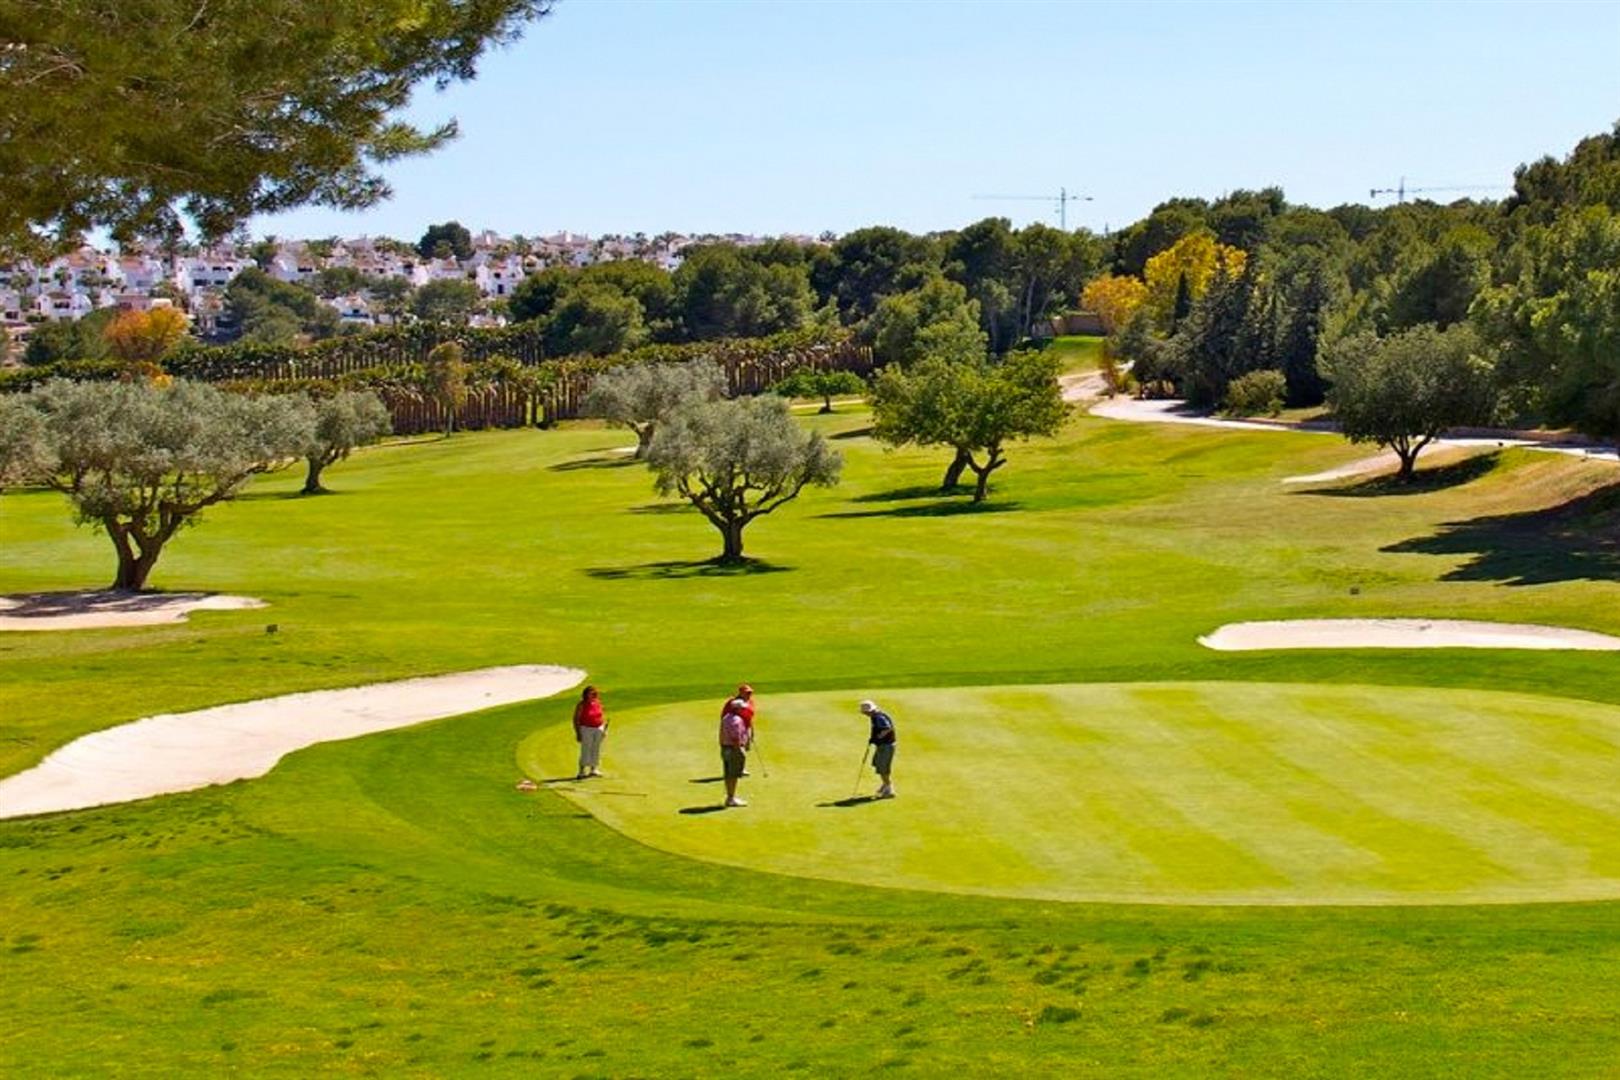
x=194, y=280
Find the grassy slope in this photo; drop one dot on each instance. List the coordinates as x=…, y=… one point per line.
x=1077, y=352
x=389, y=904
x=1169, y=793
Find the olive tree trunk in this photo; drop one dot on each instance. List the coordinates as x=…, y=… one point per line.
x=732, y=533
x=136, y=557
x=953, y=472
x=312, y=479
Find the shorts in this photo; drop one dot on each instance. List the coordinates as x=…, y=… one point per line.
x=733, y=759
x=883, y=758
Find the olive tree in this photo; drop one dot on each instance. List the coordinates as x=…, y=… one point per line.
x=975, y=408
x=342, y=423
x=141, y=461
x=738, y=460
x=1403, y=391
x=22, y=450
x=640, y=396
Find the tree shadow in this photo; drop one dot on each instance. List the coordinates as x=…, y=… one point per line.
x=676, y=571
x=1438, y=478
x=961, y=505
x=853, y=800
x=286, y=496
x=615, y=461
x=1576, y=541
x=852, y=433
x=712, y=808
x=905, y=494
x=46, y=605
x=662, y=508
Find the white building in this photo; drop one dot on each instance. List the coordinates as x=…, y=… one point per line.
x=207, y=272
x=59, y=305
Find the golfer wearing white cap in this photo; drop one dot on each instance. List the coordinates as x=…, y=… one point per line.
x=882, y=740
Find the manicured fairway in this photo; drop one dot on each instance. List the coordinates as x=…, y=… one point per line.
x=1168, y=793
x=391, y=906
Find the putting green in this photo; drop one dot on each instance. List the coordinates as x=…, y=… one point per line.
x=1216, y=793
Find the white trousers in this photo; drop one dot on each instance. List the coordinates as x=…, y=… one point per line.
x=590, y=747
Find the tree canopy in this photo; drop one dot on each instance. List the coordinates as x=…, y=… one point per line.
x=141, y=461
x=342, y=423
x=1403, y=391
x=975, y=408
x=737, y=460
x=640, y=396
x=135, y=117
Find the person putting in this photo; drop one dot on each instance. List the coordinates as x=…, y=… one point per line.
x=736, y=737
x=882, y=739
x=590, y=728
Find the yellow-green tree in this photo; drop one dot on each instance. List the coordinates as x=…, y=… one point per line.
x=1194, y=258
x=142, y=338
x=1115, y=298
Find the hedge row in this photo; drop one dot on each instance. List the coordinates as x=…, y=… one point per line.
x=510, y=385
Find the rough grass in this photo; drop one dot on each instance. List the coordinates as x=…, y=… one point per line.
x=391, y=904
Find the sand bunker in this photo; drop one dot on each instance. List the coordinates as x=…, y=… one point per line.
x=1401, y=634
x=99, y=610
x=184, y=751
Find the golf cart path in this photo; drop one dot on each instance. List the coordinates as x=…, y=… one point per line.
x=159, y=755
x=106, y=608
x=1173, y=411
x=1401, y=634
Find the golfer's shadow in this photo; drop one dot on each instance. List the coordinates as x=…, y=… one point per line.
x=712, y=808
x=853, y=800
x=707, y=780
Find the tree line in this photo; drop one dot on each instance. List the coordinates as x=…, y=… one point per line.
x=1407, y=320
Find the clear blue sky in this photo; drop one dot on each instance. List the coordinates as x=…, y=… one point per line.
x=619, y=116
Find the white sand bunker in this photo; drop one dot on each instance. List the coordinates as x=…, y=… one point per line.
x=1401, y=634
x=184, y=751
x=100, y=610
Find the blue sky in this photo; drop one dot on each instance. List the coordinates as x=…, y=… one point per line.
x=706, y=115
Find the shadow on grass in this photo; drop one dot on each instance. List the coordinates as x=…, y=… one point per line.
x=662, y=508
x=616, y=461
x=1577, y=541
x=713, y=808
x=905, y=494
x=948, y=507
x=853, y=433
x=853, y=800
x=707, y=780
x=283, y=496
x=676, y=571
x=1438, y=478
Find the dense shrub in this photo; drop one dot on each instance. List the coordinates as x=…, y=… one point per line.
x=1259, y=393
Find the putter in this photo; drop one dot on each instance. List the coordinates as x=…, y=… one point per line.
x=856, y=790
x=764, y=770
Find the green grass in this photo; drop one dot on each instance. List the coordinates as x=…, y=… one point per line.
x=1077, y=352
x=390, y=904
x=1147, y=792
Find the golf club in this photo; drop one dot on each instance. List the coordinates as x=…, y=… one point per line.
x=764, y=770
x=866, y=753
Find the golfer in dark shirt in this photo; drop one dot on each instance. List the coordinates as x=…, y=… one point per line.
x=882, y=740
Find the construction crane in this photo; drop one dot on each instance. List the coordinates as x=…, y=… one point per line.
x=1062, y=199
x=1400, y=191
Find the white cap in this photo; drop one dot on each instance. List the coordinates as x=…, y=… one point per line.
x=869, y=707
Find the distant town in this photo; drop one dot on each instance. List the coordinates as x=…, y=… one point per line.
x=375, y=271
